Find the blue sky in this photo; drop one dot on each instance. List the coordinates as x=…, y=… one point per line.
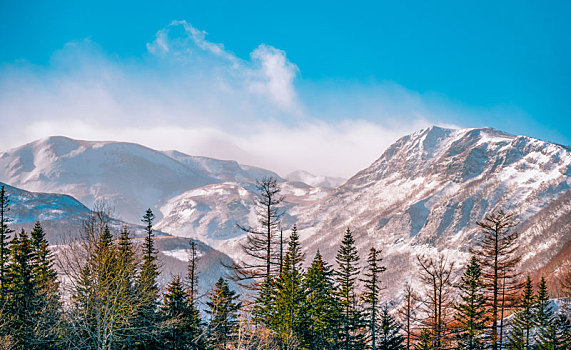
x=363, y=74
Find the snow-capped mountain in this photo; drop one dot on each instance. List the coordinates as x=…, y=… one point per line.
x=423, y=195
x=428, y=190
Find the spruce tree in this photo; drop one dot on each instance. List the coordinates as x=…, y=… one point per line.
x=20, y=293
x=544, y=317
x=47, y=304
x=147, y=287
x=322, y=310
x=195, y=323
x=4, y=238
x=372, y=284
x=563, y=331
x=425, y=341
x=179, y=330
x=520, y=335
x=471, y=311
x=289, y=319
x=347, y=272
x=389, y=337
x=223, y=308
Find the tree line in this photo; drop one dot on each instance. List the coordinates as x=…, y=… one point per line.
x=107, y=295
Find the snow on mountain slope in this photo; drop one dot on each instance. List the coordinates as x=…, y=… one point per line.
x=62, y=216
x=427, y=191
x=127, y=176
x=314, y=180
x=212, y=213
x=222, y=170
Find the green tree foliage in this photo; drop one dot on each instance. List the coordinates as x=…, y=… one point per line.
x=146, y=285
x=289, y=318
x=179, y=329
x=223, y=308
x=372, y=285
x=471, y=311
x=520, y=335
x=545, y=321
x=4, y=237
x=425, y=341
x=389, y=335
x=347, y=259
x=322, y=311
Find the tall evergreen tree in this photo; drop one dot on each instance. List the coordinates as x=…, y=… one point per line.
x=4, y=239
x=289, y=319
x=498, y=259
x=223, y=308
x=347, y=272
x=520, y=335
x=389, y=337
x=179, y=329
x=20, y=293
x=322, y=310
x=147, y=287
x=544, y=317
x=372, y=285
x=471, y=311
x=47, y=304
x=425, y=341
x=195, y=323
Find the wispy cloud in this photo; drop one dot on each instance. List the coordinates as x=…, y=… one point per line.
x=194, y=95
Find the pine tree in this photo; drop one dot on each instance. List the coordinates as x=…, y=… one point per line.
x=425, y=342
x=348, y=270
x=147, y=288
x=520, y=335
x=20, y=293
x=223, y=308
x=545, y=321
x=195, y=323
x=179, y=330
x=389, y=337
x=323, y=312
x=563, y=332
x=4, y=237
x=498, y=259
x=47, y=304
x=289, y=320
x=372, y=284
x=471, y=312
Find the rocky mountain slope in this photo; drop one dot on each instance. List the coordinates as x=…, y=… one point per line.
x=423, y=195
x=428, y=190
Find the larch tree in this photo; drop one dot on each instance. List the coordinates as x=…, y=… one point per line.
x=347, y=272
x=408, y=314
x=372, y=293
x=471, y=310
x=436, y=275
x=497, y=254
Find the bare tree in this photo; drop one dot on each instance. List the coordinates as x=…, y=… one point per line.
x=101, y=305
x=497, y=257
x=407, y=313
x=436, y=275
x=261, y=247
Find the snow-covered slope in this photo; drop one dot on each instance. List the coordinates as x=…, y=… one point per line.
x=315, y=180
x=428, y=190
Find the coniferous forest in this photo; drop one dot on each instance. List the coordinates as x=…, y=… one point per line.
x=101, y=291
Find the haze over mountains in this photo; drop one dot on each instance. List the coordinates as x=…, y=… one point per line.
x=424, y=194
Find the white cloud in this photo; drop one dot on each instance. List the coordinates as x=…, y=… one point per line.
x=195, y=96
